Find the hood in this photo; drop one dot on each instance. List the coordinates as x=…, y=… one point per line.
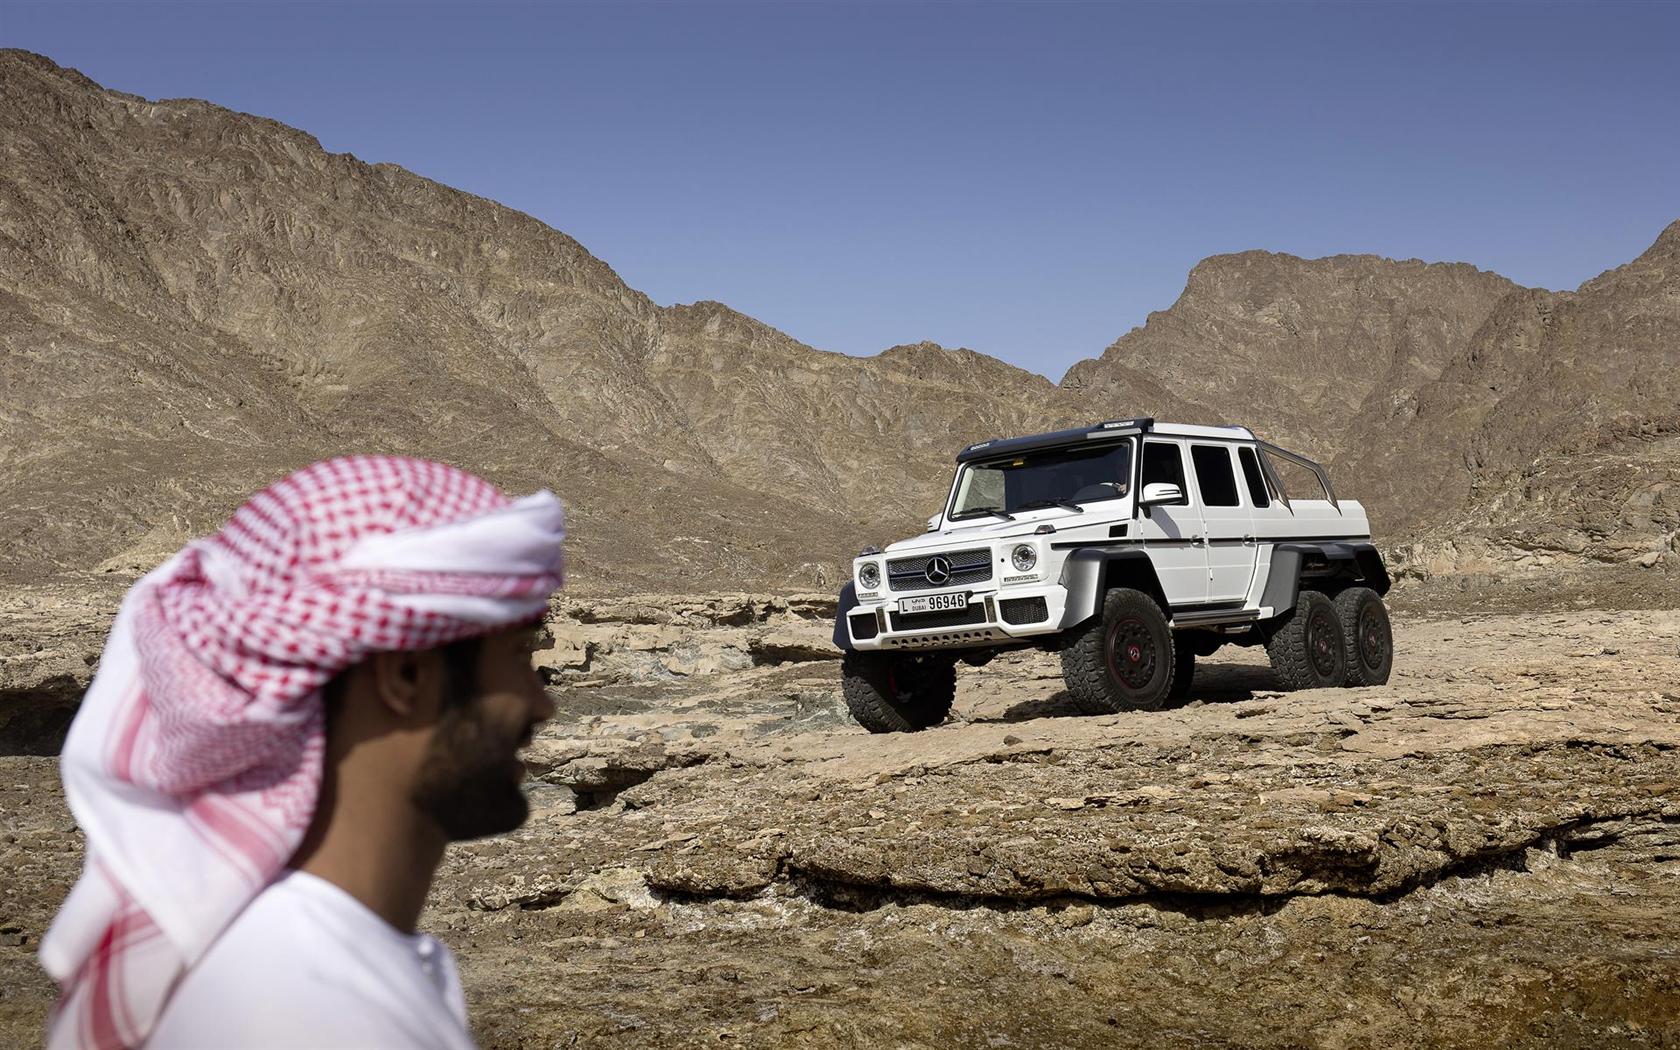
x=955, y=537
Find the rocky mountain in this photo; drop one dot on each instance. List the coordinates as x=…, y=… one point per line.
x=194, y=301
x=1300, y=348
x=1558, y=428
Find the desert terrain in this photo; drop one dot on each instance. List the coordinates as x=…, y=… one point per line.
x=1483, y=852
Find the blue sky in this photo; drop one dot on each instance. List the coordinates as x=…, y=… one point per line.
x=1028, y=180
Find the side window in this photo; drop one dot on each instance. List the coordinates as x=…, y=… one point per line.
x=1257, y=493
x=1214, y=475
x=1163, y=461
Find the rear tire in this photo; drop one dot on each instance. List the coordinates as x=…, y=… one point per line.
x=1370, y=640
x=1121, y=660
x=898, y=692
x=1307, y=648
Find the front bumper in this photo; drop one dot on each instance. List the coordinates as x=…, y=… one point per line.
x=880, y=624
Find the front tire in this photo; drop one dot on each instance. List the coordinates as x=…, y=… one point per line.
x=1307, y=647
x=898, y=692
x=1369, y=638
x=1122, y=660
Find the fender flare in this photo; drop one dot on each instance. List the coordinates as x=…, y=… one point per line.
x=1360, y=562
x=847, y=602
x=1089, y=573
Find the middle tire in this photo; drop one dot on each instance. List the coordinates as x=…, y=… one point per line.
x=1307, y=648
x=1123, y=659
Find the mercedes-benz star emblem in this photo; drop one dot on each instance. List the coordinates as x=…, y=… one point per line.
x=938, y=571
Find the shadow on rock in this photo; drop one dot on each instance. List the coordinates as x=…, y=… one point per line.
x=1214, y=684
x=1057, y=705
x=1229, y=683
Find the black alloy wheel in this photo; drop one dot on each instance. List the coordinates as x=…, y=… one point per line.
x=1131, y=653
x=1122, y=659
x=1324, y=640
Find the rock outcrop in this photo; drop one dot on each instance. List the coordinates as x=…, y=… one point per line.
x=652, y=637
x=1483, y=851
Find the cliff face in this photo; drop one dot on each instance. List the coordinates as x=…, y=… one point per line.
x=194, y=301
x=1302, y=347
x=1558, y=429
x=1500, y=427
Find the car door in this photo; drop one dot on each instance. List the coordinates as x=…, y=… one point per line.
x=1229, y=522
x=1173, y=533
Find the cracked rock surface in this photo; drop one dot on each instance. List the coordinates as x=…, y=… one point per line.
x=1484, y=852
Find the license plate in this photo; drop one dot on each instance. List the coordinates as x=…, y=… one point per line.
x=933, y=603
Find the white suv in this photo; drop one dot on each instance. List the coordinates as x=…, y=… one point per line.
x=1131, y=548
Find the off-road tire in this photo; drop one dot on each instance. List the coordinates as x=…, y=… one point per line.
x=1122, y=659
x=1307, y=648
x=898, y=692
x=1184, y=671
x=1370, y=639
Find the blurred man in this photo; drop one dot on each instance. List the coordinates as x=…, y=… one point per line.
x=290, y=722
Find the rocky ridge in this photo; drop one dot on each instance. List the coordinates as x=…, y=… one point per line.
x=194, y=301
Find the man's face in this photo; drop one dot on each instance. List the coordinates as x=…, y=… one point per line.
x=470, y=779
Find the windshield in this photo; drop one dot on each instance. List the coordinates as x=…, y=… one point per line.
x=1070, y=477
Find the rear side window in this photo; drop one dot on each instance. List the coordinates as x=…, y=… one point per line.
x=1163, y=461
x=1214, y=475
x=1256, y=481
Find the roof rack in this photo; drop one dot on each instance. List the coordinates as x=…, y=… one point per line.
x=1299, y=460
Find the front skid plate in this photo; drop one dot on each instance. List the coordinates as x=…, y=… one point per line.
x=948, y=640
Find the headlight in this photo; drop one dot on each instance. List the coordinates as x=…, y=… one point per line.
x=1024, y=557
x=869, y=575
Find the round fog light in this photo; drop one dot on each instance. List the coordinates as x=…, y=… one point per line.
x=1024, y=557
x=869, y=575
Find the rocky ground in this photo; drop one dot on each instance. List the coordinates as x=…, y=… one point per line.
x=1484, y=852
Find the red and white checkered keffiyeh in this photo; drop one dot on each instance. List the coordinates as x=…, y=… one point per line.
x=194, y=762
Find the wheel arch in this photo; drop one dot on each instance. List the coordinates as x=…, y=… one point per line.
x=1331, y=565
x=1088, y=574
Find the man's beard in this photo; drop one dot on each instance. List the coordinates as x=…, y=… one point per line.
x=467, y=783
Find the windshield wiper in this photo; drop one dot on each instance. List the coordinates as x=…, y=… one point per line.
x=1039, y=504
x=975, y=512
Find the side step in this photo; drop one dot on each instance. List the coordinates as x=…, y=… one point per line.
x=1191, y=617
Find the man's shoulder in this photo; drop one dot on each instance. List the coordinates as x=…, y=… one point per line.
x=288, y=932
x=298, y=967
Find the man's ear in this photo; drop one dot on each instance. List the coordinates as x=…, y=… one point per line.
x=402, y=680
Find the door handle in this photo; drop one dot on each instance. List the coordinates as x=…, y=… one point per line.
x=1248, y=540
x=1200, y=541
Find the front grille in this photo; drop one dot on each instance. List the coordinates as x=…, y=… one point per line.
x=864, y=626
x=975, y=613
x=967, y=568
x=1024, y=610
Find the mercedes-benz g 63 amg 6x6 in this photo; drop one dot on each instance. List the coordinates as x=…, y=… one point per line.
x=1130, y=547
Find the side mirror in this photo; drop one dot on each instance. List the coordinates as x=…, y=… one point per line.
x=933, y=522
x=1157, y=493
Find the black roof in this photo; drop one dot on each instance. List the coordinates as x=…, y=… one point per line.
x=1034, y=442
